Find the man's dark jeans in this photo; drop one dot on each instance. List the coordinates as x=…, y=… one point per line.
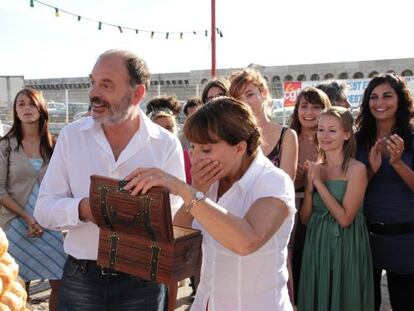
x=85, y=287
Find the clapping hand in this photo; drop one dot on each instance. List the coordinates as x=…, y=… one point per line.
x=313, y=175
x=300, y=172
x=395, y=146
x=375, y=156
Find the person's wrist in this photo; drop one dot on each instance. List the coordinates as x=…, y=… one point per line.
x=196, y=198
x=318, y=183
x=308, y=191
x=83, y=210
x=396, y=163
x=27, y=218
x=372, y=171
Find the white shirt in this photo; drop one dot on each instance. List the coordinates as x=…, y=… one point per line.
x=256, y=281
x=83, y=150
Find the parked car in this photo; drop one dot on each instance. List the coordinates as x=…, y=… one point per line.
x=57, y=112
x=282, y=115
x=77, y=107
x=81, y=115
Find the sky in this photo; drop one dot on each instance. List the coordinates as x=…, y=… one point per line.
x=37, y=44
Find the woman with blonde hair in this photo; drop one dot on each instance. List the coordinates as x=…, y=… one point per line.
x=336, y=265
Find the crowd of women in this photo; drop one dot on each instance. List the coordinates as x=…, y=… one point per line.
x=351, y=183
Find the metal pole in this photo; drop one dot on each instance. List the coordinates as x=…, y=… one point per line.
x=213, y=39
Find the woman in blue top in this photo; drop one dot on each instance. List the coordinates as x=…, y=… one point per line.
x=385, y=145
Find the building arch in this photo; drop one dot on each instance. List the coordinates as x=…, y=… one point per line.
x=343, y=76
x=358, y=75
x=407, y=73
x=328, y=76
x=276, y=79
x=288, y=78
x=315, y=77
x=372, y=73
x=203, y=81
x=302, y=77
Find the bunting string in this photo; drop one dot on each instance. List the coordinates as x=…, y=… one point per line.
x=152, y=33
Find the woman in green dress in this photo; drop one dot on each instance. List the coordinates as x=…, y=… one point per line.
x=336, y=271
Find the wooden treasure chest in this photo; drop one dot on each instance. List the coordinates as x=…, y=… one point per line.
x=137, y=236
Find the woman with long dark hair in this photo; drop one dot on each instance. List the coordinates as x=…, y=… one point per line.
x=304, y=121
x=386, y=145
x=25, y=152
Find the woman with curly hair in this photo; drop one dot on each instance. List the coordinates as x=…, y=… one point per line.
x=386, y=145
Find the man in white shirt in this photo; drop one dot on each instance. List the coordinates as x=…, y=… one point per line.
x=114, y=141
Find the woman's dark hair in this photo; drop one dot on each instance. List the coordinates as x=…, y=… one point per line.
x=224, y=118
x=164, y=102
x=334, y=90
x=192, y=102
x=221, y=83
x=366, y=126
x=313, y=96
x=47, y=140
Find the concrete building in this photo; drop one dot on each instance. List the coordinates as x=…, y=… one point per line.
x=186, y=84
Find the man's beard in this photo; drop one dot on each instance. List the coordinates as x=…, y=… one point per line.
x=118, y=113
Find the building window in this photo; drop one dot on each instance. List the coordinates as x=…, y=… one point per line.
x=328, y=76
x=407, y=73
x=266, y=78
x=358, y=75
x=168, y=82
x=301, y=78
x=372, y=73
x=288, y=78
x=276, y=79
x=155, y=82
x=186, y=82
x=343, y=76
x=174, y=82
x=180, y=82
x=315, y=77
x=204, y=81
x=162, y=82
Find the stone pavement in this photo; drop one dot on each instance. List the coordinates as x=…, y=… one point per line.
x=41, y=290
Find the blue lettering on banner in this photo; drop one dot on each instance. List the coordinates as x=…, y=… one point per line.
x=355, y=99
